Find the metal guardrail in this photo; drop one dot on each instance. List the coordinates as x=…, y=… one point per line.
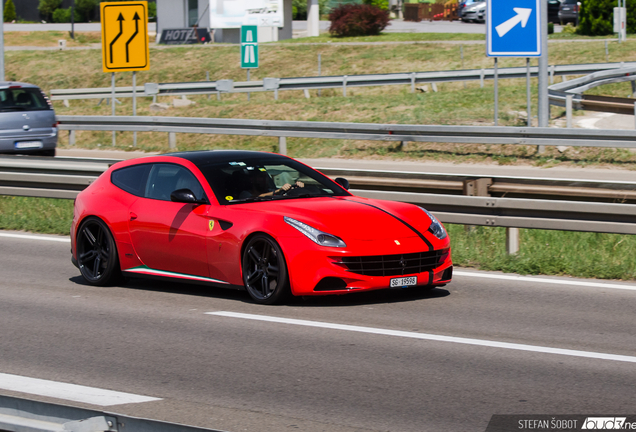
x=558, y=93
x=326, y=82
x=19, y=415
x=356, y=131
x=30, y=177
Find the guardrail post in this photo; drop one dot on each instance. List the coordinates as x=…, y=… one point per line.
x=71, y=137
x=344, y=86
x=172, y=140
x=568, y=110
x=412, y=82
x=282, y=145
x=481, y=78
x=552, y=74
x=476, y=187
x=512, y=241
x=635, y=114
x=276, y=94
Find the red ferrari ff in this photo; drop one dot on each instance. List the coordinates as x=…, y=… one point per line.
x=256, y=221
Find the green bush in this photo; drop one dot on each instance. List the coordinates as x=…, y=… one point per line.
x=62, y=15
x=596, y=17
x=569, y=28
x=152, y=11
x=48, y=7
x=550, y=28
x=9, y=11
x=382, y=4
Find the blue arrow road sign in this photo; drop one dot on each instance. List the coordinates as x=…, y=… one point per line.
x=514, y=28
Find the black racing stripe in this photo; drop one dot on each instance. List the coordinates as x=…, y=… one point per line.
x=412, y=228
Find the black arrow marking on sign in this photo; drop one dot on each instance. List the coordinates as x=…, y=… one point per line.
x=136, y=18
x=121, y=30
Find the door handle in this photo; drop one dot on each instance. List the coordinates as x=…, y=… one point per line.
x=133, y=216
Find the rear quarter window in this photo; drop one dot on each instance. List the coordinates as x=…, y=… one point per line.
x=131, y=179
x=22, y=99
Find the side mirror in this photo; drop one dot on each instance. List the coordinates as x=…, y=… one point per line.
x=342, y=182
x=185, y=196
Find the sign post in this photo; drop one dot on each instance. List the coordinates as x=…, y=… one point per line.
x=513, y=30
x=124, y=41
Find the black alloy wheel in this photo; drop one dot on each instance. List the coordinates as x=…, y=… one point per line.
x=96, y=252
x=265, y=271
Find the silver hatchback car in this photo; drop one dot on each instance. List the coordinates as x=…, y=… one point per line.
x=27, y=120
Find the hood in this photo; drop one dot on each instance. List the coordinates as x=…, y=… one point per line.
x=352, y=217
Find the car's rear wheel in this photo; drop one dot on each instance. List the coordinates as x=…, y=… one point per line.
x=96, y=253
x=265, y=271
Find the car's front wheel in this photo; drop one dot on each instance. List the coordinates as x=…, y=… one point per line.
x=265, y=272
x=96, y=253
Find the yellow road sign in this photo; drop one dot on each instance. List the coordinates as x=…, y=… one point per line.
x=125, y=36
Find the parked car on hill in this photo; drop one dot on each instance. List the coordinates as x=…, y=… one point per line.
x=475, y=12
x=27, y=120
x=569, y=11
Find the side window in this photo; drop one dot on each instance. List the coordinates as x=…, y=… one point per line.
x=167, y=178
x=131, y=179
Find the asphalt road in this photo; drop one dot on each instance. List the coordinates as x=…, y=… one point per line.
x=237, y=374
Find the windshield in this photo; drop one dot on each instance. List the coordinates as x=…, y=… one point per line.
x=22, y=99
x=247, y=180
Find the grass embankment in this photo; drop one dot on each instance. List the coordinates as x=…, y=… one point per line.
x=604, y=256
x=454, y=104
x=50, y=38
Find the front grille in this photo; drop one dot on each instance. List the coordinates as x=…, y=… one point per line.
x=394, y=265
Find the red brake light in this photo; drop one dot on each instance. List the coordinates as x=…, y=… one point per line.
x=55, y=124
x=13, y=87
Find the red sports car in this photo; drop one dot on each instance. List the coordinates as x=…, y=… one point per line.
x=256, y=221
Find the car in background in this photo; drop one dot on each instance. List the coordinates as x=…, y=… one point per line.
x=569, y=11
x=463, y=4
x=475, y=12
x=553, y=10
x=27, y=120
x=252, y=221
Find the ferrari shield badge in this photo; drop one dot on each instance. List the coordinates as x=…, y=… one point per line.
x=211, y=224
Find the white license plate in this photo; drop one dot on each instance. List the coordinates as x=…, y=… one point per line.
x=403, y=281
x=22, y=145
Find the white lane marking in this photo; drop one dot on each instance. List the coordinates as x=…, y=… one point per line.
x=432, y=337
x=72, y=392
x=535, y=279
x=36, y=237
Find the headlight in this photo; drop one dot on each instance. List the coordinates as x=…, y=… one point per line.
x=436, y=227
x=317, y=236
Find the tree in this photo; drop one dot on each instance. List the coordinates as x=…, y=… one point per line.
x=85, y=10
x=47, y=7
x=596, y=17
x=9, y=11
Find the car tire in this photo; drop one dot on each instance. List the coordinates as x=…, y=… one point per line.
x=265, y=272
x=97, y=256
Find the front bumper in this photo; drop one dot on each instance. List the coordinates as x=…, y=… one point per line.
x=320, y=271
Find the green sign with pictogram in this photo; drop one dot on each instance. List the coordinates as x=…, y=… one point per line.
x=249, y=47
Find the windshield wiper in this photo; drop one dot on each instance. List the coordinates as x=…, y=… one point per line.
x=305, y=195
x=252, y=199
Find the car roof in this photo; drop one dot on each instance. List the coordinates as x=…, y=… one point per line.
x=7, y=84
x=205, y=157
